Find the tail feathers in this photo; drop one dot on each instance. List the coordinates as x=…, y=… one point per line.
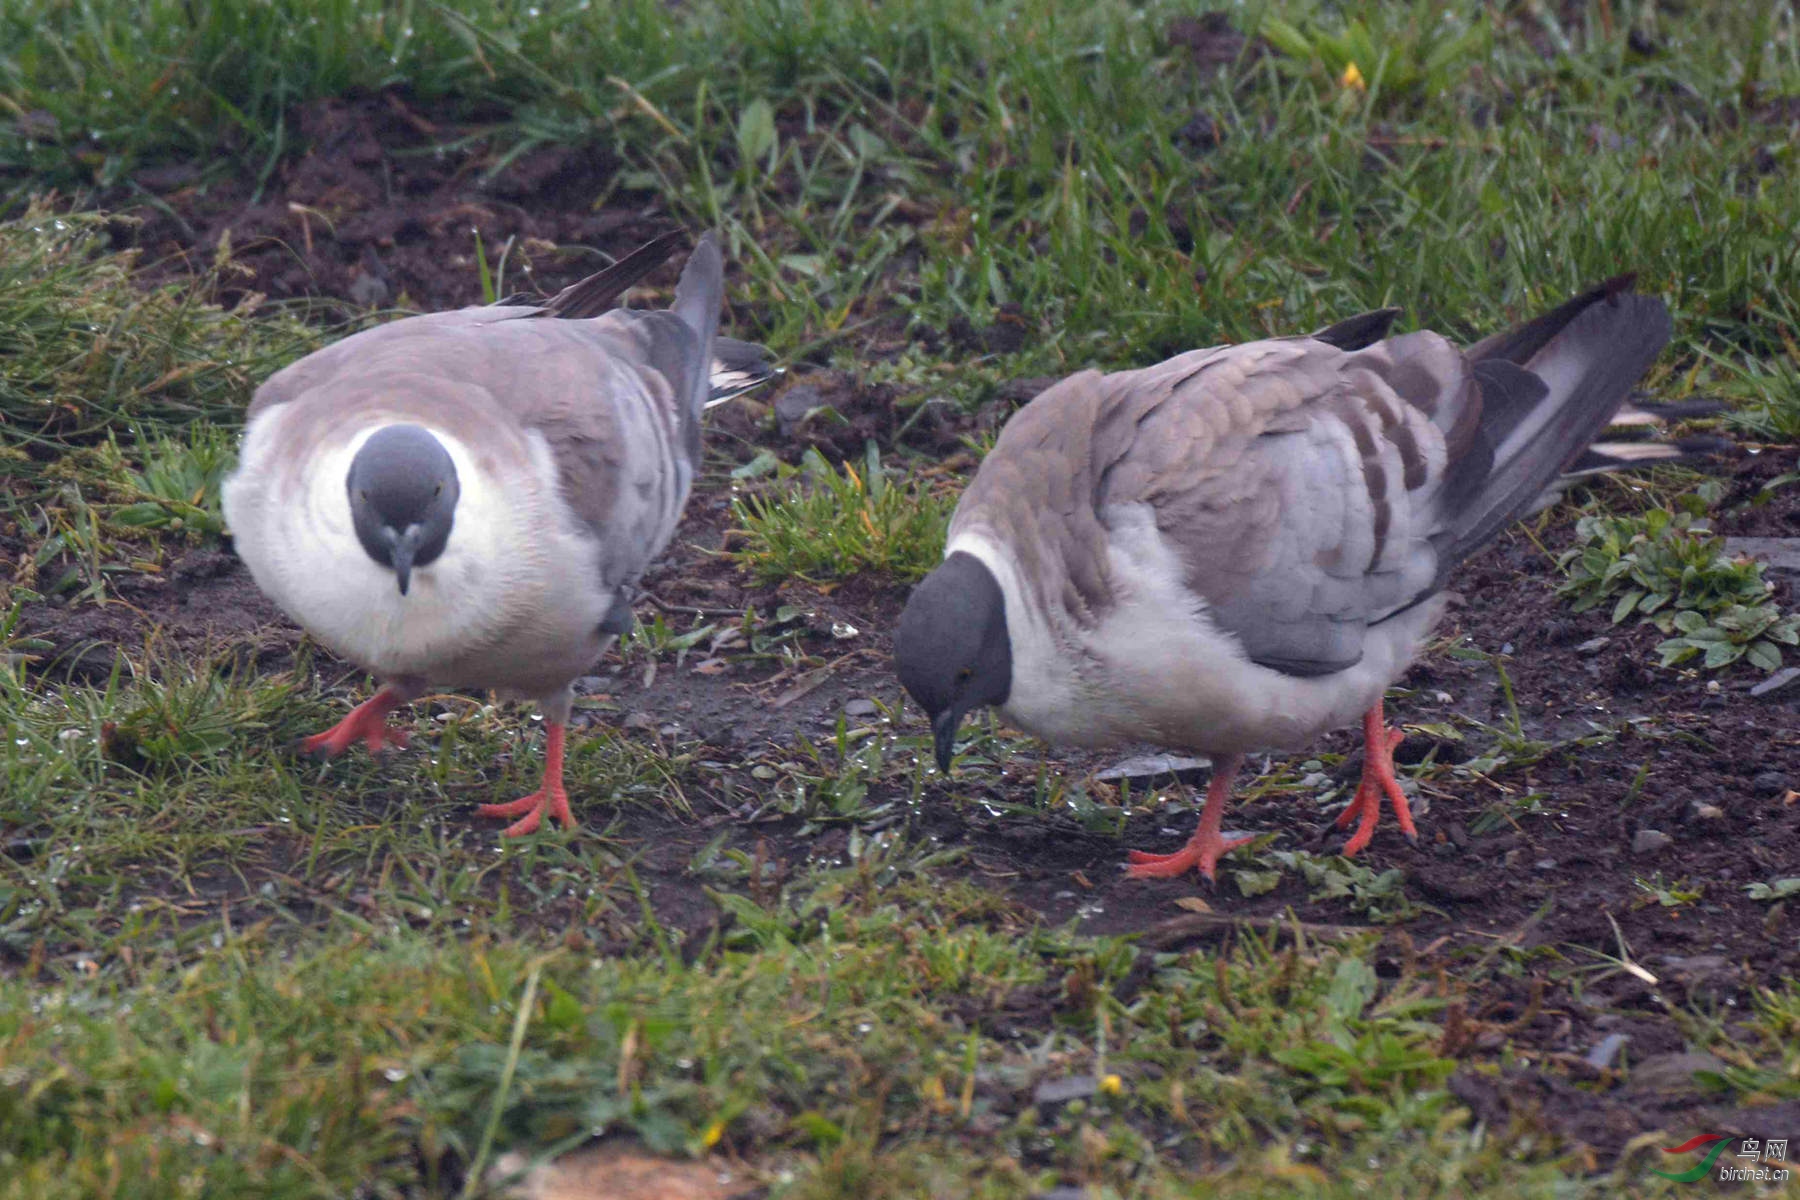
x=737, y=367
x=1585, y=355
x=698, y=297
x=1607, y=456
x=1631, y=414
x=1604, y=458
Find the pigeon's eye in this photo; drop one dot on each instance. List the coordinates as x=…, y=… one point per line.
x=363, y=496
x=964, y=675
x=438, y=490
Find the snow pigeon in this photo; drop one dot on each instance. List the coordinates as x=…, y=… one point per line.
x=469, y=498
x=1240, y=548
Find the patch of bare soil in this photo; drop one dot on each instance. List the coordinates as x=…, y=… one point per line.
x=380, y=207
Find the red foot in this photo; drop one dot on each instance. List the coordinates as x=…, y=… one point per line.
x=550, y=798
x=554, y=801
x=368, y=722
x=1199, y=852
x=1207, y=845
x=1379, y=744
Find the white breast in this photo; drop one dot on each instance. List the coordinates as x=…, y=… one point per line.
x=513, y=603
x=1156, y=668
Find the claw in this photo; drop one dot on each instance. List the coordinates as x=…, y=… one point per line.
x=550, y=798
x=1207, y=845
x=1379, y=744
x=367, y=722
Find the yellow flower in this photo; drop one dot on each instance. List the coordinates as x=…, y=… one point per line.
x=711, y=1135
x=1352, y=78
x=1111, y=1085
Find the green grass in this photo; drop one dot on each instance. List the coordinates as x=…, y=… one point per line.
x=375, y=1060
x=87, y=351
x=1025, y=152
x=389, y=999
x=830, y=523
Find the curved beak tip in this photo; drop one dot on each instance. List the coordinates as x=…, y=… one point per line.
x=405, y=547
x=943, y=737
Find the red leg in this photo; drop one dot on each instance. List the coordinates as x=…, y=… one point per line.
x=1205, y=847
x=1379, y=744
x=367, y=721
x=550, y=798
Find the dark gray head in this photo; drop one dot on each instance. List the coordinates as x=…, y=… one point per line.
x=403, y=494
x=952, y=650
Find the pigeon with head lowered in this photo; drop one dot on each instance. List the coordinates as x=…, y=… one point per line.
x=1240, y=548
x=469, y=498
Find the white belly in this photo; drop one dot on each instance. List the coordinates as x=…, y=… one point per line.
x=513, y=603
x=1156, y=669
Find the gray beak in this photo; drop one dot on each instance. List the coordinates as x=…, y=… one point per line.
x=943, y=736
x=405, y=547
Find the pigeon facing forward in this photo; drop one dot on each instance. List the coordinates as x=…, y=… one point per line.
x=469, y=498
x=1240, y=548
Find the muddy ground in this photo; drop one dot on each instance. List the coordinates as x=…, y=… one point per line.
x=1543, y=868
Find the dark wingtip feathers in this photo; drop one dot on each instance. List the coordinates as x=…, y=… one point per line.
x=1358, y=332
x=600, y=291
x=1520, y=344
x=1590, y=351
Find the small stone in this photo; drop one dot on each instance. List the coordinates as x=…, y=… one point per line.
x=1593, y=645
x=1602, y=1055
x=1698, y=964
x=1061, y=1091
x=1782, y=554
x=1448, y=883
x=1651, y=841
x=369, y=290
x=1707, y=812
x=793, y=406
x=859, y=708
x=1673, y=1074
x=638, y=720
x=1769, y=783
x=1499, y=844
x=587, y=685
x=1545, y=864
x=1776, y=682
x=1147, y=766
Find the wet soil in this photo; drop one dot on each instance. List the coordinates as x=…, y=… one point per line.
x=383, y=206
